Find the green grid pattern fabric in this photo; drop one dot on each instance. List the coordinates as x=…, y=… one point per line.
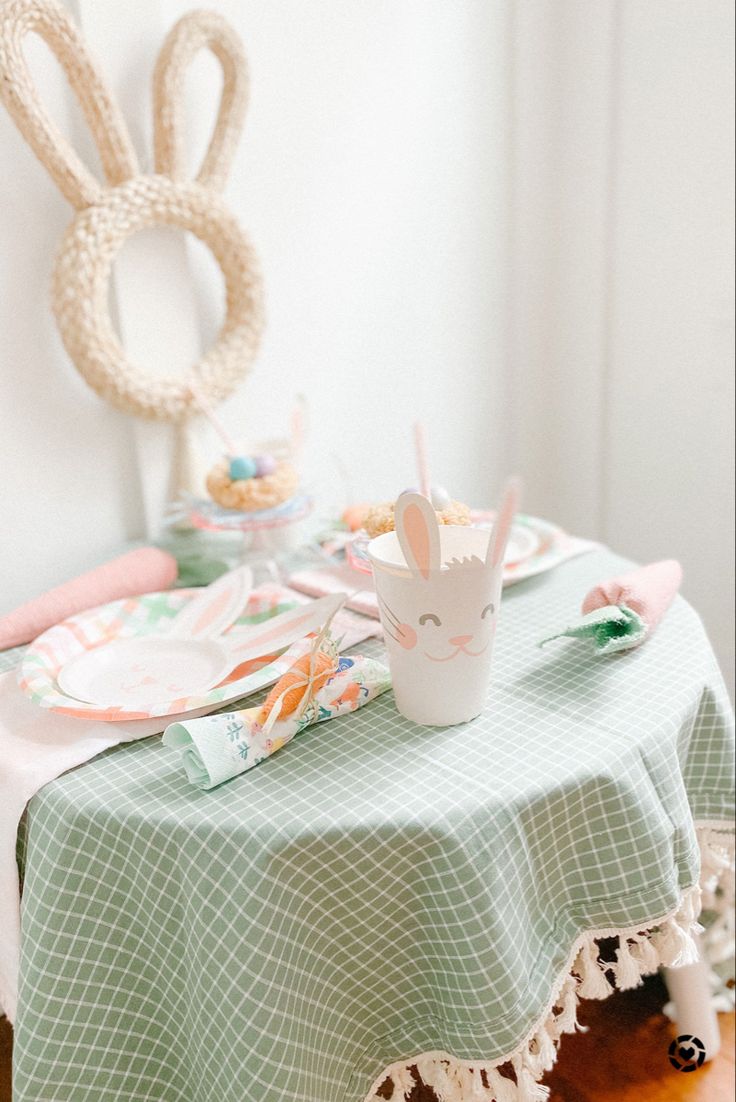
x=376, y=889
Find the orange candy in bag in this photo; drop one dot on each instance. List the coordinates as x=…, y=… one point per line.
x=322, y=666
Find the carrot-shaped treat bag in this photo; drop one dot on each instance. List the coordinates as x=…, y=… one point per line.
x=622, y=612
x=319, y=686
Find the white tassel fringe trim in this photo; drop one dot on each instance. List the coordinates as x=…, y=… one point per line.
x=670, y=942
x=717, y=882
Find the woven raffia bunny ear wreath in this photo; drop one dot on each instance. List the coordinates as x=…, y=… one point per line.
x=109, y=213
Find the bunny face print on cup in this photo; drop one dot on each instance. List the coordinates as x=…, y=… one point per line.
x=439, y=590
x=128, y=201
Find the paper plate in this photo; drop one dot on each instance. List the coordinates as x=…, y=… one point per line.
x=208, y=515
x=144, y=670
x=524, y=543
x=140, y=616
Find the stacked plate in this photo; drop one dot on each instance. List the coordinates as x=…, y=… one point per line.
x=207, y=514
x=121, y=661
x=534, y=546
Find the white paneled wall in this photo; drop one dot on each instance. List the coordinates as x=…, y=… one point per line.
x=68, y=486
x=669, y=486
x=508, y=218
x=371, y=178
x=621, y=214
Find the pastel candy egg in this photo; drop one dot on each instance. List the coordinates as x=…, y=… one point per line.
x=440, y=497
x=242, y=467
x=410, y=490
x=354, y=516
x=265, y=465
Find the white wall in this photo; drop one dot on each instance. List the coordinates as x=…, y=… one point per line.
x=621, y=324
x=510, y=218
x=669, y=485
x=371, y=178
x=68, y=486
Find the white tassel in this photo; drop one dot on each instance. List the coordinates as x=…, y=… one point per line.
x=462, y=1083
x=690, y=953
x=716, y=855
x=435, y=1074
x=542, y=1053
x=528, y=1089
x=466, y=1081
x=567, y=1020
x=502, y=1089
x=533, y=1062
x=667, y=942
x=676, y=946
x=714, y=860
x=645, y=955
x=671, y=944
x=404, y=1083
x=627, y=968
x=478, y=1090
x=594, y=984
x=717, y=882
x=689, y=908
x=463, y=1080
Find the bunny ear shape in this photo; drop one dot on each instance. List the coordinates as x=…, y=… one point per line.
x=418, y=532
x=504, y=519
x=195, y=31
x=52, y=23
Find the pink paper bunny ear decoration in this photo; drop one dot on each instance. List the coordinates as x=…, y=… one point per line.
x=507, y=510
x=418, y=532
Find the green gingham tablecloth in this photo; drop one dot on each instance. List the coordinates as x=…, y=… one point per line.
x=374, y=891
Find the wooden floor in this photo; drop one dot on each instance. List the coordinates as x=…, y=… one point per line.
x=623, y=1057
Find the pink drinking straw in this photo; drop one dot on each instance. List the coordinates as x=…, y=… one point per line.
x=420, y=449
x=214, y=420
x=298, y=427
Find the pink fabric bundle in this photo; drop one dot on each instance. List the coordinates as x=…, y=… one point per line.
x=145, y=570
x=647, y=591
x=621, y=613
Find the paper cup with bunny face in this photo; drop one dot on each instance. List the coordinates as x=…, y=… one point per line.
x=439, y=590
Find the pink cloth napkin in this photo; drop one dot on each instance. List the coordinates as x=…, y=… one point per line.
x=145, y=570
x=319, y=581
x=647, y=591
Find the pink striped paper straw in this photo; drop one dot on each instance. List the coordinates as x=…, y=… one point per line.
x=420, y=449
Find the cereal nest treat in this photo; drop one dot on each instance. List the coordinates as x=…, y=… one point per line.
x=380, y=518
x=232, y=484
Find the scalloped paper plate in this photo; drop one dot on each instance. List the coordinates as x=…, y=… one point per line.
x=207, y=514
x=529, y=541
x=138, y=616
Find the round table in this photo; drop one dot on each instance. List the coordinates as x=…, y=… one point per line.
x=377, y=894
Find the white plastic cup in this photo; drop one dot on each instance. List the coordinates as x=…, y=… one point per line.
x=438, y=588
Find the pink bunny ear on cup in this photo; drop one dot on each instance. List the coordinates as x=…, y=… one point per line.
x=507, y=510
x=418, y=532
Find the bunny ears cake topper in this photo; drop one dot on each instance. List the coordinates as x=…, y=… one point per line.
x=128, y=201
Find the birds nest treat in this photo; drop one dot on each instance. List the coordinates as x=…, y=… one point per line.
x=250, y=483
x=380, y=518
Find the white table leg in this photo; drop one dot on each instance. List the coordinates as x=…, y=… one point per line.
x=690, y=991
